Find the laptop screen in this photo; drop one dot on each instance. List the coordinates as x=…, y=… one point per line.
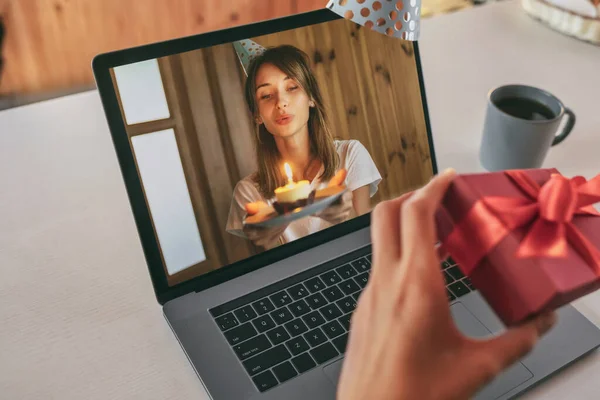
x=247, y=146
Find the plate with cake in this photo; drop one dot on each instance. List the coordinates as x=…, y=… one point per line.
x=293, y=202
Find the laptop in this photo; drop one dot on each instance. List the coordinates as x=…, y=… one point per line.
x=267, y=316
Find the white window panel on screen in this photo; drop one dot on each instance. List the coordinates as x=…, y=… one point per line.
x=246, y=51
x=142, y=93
x=400, y=19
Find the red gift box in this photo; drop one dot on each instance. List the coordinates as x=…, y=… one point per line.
x=529, y=240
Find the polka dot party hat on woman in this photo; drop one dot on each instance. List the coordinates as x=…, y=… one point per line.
x=246, y=51
x=398, y=18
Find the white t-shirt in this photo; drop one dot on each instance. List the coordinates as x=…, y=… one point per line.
x=361, y=171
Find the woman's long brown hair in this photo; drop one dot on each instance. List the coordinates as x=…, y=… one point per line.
x=295, y=64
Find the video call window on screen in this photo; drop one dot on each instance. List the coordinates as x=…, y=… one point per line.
x=276, y=120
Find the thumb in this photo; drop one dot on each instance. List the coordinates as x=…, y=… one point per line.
x=441, y=252
x=493, y=356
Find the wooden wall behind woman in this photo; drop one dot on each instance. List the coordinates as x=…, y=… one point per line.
x=50, y=43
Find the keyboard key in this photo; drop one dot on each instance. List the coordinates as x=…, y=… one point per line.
x=344, y=320
x=459, y=289
x=333, y=293
x=298, y=291
x=340, y=343
x=282, y=315
x=330, y=312
x=303, y=362
x=296, y=327
x=226, y=321
x=315, y=284
x=244, y=314
x=362, y=280
x=313, y=319
x=349, y=286
x=361, y=265
x=263, y=306
x=446, y=264
x=456, y=273
x=297, y=345
x=252, y=347
x=356, y=295
x=332, y=329
x=267, y=359
x=284, y=372
x=315, y=337
x=369, y=258
x=331, y=278
x=450, y=295
x=263, y=323
x=346, y=271
x=449, y=279
x=468, y=283
x=278, y=335
x=299, y=308
x=324, y=353
x=241, y=333
x=265, y=381
x=451, y=261
x=316, y=301
x=347, y=304
x=281, y=298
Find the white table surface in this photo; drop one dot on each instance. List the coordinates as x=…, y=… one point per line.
x=78, y=317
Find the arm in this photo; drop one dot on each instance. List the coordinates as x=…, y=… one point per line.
x=403, y=325
x=361, y=200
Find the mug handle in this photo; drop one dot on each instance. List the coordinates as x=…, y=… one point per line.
x=567, y=129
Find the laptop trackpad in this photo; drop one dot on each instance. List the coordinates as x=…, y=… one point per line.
x=469, y=326
x=510, y=378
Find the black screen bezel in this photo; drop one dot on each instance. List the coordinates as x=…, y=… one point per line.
x=101, y=66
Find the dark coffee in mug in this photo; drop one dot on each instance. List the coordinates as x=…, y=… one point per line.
x=522, y=123
x=525, y=108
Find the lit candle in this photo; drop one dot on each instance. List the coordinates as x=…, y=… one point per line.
x=288, y=172
x=293, y=191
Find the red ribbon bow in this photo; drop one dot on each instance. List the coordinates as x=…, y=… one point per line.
x=550, y=210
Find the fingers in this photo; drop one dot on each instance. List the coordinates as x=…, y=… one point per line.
x=493, y=356
x=338, y=178
x=418, y=215
x=255, y=207
x=385, y=229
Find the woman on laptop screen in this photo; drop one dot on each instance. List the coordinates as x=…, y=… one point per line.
x=292, y=128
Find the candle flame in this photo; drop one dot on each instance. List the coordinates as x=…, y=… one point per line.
x=288, y=172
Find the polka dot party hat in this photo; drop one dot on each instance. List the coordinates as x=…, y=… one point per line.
x=246, y=51
x=398, y=18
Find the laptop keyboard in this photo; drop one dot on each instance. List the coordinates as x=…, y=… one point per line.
x=301, y=322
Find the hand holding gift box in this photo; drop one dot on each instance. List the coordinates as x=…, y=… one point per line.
x=528, y=239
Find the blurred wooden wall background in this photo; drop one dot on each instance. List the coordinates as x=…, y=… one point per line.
x=50, y=43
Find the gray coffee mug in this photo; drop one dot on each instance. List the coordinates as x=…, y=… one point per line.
x=521, y=125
